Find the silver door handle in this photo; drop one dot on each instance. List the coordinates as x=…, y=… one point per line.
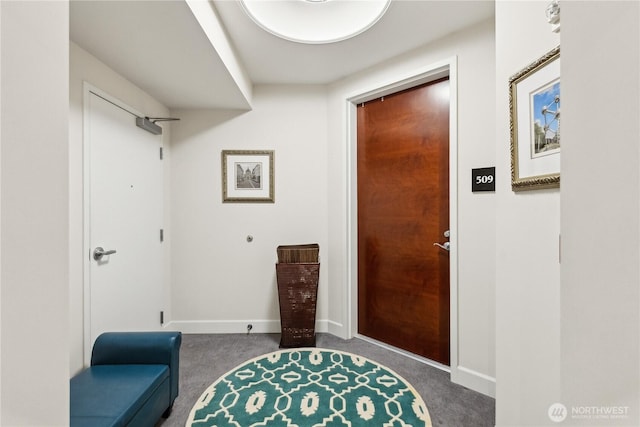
x=99, y=252
x=446, y=246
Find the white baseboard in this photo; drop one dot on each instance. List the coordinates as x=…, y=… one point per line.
x=234, y=326
x=466, y=377
x=336, y=329
x=474, y=380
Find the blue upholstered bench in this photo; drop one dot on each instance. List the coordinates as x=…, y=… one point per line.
x=132, y=380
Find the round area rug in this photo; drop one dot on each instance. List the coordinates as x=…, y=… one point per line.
x=310, y=387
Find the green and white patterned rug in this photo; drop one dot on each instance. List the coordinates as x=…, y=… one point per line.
x=310, y=387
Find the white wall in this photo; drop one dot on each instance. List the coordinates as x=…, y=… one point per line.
x=474, y=49
x=220, y=281
x=600, y=296
x=527, y=229
x=85, y=67
x=34, y=196
x=1, y=132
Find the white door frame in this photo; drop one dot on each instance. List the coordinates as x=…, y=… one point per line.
x=427, y=74
x=89, y=89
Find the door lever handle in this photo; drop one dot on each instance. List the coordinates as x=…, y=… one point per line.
x=446, y=246
x=99, y=252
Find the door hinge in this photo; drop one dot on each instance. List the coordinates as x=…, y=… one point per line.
x=162, y=317
x=161, y=154
x=161, y=235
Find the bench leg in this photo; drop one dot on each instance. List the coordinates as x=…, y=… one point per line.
x=166, y=413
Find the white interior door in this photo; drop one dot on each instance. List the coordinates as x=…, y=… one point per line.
x=123, y=175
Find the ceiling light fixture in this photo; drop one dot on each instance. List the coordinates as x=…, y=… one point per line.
x=315, y=21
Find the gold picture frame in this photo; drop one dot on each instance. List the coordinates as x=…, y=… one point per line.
x=534, y=104
x=248, y=176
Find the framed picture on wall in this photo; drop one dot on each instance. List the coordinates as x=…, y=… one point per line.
x=534, y=103
x=247, y=176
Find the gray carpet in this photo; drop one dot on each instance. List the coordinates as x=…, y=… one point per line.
x=205, y=358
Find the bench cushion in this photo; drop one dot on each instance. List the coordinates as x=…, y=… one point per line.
x=112, y=395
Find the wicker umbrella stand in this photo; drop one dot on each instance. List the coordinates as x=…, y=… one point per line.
x=297, y=274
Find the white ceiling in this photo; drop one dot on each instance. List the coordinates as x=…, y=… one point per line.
x=161, y=47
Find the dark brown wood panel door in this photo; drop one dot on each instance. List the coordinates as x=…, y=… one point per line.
x=403, y=208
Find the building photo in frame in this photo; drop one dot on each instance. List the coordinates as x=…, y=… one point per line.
x=534, y=102
x=247, y=176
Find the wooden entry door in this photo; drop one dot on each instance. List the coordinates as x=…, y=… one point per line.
x=403, y=208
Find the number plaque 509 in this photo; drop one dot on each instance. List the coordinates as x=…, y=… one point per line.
x=483, y=179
